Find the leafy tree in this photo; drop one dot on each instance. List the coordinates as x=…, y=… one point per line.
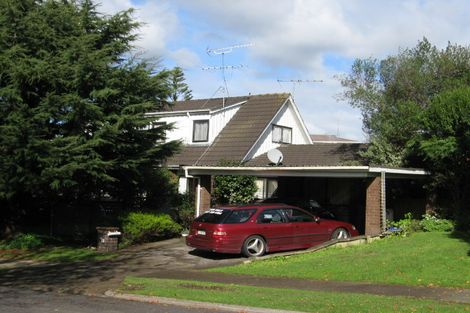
x=391, y=92
x=72, y=105
x=415, y=107
x=444, y=146
x=178, y=88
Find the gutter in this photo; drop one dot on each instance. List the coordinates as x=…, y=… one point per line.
x=365, y=170
x=194, y=111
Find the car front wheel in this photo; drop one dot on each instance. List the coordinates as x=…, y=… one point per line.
x=254, y=246
x=340, y=233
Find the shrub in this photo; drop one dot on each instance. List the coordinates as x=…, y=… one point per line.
x=432, y=223
x=140, y=227
x=185, y=211
x=231, y=189
x=24, y=242
x=407, y=225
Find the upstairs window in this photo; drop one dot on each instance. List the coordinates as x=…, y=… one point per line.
x=201, y=131
x=282, y=134
x=158, y=124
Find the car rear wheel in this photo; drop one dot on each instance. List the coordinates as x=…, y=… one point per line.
x=254, y=246
x=340, y=233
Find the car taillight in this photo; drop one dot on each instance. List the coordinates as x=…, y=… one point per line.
x=219, y=233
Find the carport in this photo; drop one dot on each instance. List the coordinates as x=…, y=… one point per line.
x=361, y=191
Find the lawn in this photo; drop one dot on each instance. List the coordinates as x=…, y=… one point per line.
x=55, y=254
x=285, y=299
x=422, y=259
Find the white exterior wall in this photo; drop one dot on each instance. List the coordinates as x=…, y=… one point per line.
x=183, y=124
x=218, y=121
x=286, y=117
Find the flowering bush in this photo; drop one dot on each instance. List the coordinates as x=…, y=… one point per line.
x=406, y=225
x=432, y=223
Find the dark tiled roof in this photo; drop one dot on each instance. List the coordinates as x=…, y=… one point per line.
x=187, y=156
x=331, y=138
x=317, y=154
x=242, y=131
x=212, y=104
x=238, y=136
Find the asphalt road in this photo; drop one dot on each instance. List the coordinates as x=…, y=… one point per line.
x=28, y=301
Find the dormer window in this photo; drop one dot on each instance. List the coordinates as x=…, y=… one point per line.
x=201, y=131
x=282, y=134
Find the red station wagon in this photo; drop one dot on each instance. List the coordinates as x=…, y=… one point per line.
x=254, y=230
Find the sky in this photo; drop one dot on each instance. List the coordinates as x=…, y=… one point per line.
x=284, y=40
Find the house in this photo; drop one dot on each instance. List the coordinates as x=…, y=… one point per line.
x=330, y=139
x=232, y=136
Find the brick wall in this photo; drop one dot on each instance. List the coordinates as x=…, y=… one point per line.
x=373, y=212
x=206, y=189
x=106, y=243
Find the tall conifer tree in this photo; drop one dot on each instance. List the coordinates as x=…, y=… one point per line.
x=72, y=104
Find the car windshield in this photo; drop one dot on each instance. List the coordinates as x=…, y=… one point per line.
x=225, y=216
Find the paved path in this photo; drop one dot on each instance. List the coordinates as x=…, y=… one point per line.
x=98, y=277
x=14, y=300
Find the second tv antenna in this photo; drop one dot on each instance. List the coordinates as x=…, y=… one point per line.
x=298, y=81
x=222, y=51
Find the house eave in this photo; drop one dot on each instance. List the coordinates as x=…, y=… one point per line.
x=198, y=111
x=306, y=171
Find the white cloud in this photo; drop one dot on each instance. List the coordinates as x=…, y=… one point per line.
x=292, y=41
x=185, y=58
x=298, y=33
x=159, y=24
x=113, y=6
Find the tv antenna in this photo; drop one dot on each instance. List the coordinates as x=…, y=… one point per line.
x=227, y=67
x=222, y=51
x=298, y=81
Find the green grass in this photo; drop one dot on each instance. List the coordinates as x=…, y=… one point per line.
x=423, y=259
x=55, y=254
x=286, y=299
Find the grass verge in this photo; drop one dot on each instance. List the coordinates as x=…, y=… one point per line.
x=55, y=254
x=285, y=299
x=423, y=259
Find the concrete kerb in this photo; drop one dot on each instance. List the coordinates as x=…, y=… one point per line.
x=193, y=304
x=359, y=240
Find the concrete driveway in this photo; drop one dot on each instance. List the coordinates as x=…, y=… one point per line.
x=97, y=277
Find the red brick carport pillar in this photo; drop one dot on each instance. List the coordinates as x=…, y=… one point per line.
x=203, y=193
x=375, y=205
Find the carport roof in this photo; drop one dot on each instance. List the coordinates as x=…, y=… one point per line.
x=318, y=154
x=305, y=171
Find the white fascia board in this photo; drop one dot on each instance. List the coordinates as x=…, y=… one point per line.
x=170, y=113
x=401, y=171
x=265, y=129
x=228, y=107
x=304, y=127
x=334, y=142
x=272, y=171
x=199, y=111
x=307, y=171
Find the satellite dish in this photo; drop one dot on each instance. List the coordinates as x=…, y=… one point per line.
x=275, y=156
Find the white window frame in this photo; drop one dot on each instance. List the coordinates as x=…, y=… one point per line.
x=283, y=130
x=194, y=130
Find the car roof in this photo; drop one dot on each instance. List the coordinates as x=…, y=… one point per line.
x=256, y=206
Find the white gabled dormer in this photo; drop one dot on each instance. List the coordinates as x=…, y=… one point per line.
x=286, y=127
x=197, y=127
